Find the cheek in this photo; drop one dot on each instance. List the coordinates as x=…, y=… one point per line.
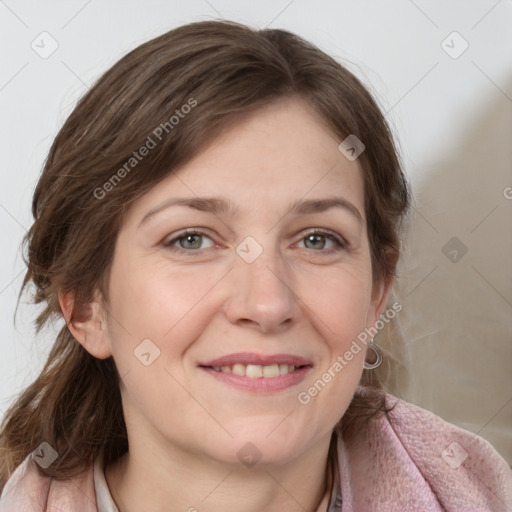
x=341, y=301
x=153, y=302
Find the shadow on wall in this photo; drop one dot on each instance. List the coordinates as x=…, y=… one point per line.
x=455, y=280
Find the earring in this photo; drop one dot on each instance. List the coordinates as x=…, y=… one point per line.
x=378, y=361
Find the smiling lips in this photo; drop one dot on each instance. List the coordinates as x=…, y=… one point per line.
x=280, y=370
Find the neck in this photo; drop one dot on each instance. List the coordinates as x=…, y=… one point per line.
x=142, y=480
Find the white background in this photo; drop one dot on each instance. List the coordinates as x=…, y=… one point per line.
x=453, y=121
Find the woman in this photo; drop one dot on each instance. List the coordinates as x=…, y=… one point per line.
x=218, y=223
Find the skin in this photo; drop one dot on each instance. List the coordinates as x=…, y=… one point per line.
x=184, y=426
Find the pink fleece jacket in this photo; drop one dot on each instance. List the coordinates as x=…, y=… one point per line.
x=416, y=463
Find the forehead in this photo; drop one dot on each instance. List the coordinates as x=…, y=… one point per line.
x=274, y=156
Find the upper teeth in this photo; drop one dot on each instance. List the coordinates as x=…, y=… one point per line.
x=254, y=371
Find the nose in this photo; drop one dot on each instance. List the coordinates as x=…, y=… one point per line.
x=261, y=293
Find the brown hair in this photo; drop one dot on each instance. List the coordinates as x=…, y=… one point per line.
x=222, y=70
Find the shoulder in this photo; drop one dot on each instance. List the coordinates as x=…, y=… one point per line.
x=29, y=491
x=431, y=439
x=414, y=458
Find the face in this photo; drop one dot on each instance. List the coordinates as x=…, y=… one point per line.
x=242, y=314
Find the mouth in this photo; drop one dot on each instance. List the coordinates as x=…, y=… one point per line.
x=256, y=372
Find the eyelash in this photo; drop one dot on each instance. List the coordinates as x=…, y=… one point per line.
x=341, y=245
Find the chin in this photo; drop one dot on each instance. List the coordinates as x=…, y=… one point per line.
x=269, y=441
x=256, y=455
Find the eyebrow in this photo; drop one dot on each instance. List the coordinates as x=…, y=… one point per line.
x=221, y=206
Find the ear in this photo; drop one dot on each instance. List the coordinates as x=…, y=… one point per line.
x=381, y=290
x=89, y=326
